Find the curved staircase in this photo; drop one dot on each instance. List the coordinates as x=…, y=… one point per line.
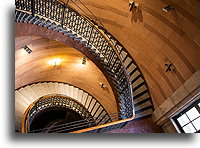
x=129, y=83
x=26, y=95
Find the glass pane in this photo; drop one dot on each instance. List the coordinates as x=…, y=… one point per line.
x=193, y=113
x=189, y=128
x=196, y=123
x=183, y=120
x=199, y=104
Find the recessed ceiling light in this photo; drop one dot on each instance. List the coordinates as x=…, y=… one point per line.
x=27, y=49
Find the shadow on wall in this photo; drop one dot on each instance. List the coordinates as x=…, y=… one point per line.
x=136, y=15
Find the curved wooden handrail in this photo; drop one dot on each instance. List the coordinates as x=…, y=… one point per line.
x=104, y=125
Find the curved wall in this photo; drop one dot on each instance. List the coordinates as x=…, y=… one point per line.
x=34, y=67
x=154, y=37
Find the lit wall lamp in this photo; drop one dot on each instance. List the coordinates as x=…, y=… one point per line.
x=27, y=49
x=133, y=5
x=169, y=66
x=168, y=8
x=84, y=60
x=55, y=62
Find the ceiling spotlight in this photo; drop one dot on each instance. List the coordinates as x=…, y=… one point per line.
x=133, y=4
x=27, y=49
x=55, y=62
x=169, y=66
x=168, y=8
x=103, y=85
x=84, y=60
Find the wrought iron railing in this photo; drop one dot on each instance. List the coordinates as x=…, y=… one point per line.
x=67, y=19
x=63, y=102
x=75, y=99
x=113, y=56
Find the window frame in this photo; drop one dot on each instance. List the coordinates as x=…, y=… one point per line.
x=194, y=104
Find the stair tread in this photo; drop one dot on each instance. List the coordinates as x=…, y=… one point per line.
x=83, y=100
x=24, y=95
x=61, y=87
x=98, y=111
x=80, y=95
x=144, y=113
x=41, y=90
x=71, y=91
x=66, y=89
x=88, y=101
x=91, y=105
x=139, y=99
x=33, y=92
x=20, y=99
x=56, y=88
x=95, y=108
x=75, y=95
x=46, y=88
x=143, y=105
x=139, y=90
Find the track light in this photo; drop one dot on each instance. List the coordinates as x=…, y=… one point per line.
x=103, y=85
x=169, y=66
x=168, y=8
x=133, y=4
x=27, y=49
x=84, y=60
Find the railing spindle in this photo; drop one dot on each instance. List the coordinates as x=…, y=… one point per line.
x=33, y=7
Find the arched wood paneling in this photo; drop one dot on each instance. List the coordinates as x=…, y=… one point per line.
x=154, y=37
x=34, y=67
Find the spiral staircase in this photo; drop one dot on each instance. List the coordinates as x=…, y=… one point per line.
x=129, y=86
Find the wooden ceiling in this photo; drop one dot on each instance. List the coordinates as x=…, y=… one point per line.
x=154, y=37
x=34, y=67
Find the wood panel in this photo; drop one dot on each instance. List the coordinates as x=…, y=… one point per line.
x=34, y=67
x=154, y=37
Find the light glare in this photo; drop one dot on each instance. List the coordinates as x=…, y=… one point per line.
x=54, y=62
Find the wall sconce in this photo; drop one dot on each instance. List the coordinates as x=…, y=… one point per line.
x=133, y=4
x=168, y=8
x=169, y=66
x=103, y=85
x=84, y=60
x=55, y=62
x=27, y=49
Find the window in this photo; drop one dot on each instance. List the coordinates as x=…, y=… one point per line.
x=188, y=121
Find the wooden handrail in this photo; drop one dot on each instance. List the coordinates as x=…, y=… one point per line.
x=105, y=125
x=24, y=118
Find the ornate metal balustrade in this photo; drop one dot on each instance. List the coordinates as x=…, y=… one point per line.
x=64, y=102
x=64, y=96
x=111, y=54
x=73, y=24
x=57, y=101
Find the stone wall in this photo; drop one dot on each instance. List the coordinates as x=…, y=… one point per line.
x=184, y=95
